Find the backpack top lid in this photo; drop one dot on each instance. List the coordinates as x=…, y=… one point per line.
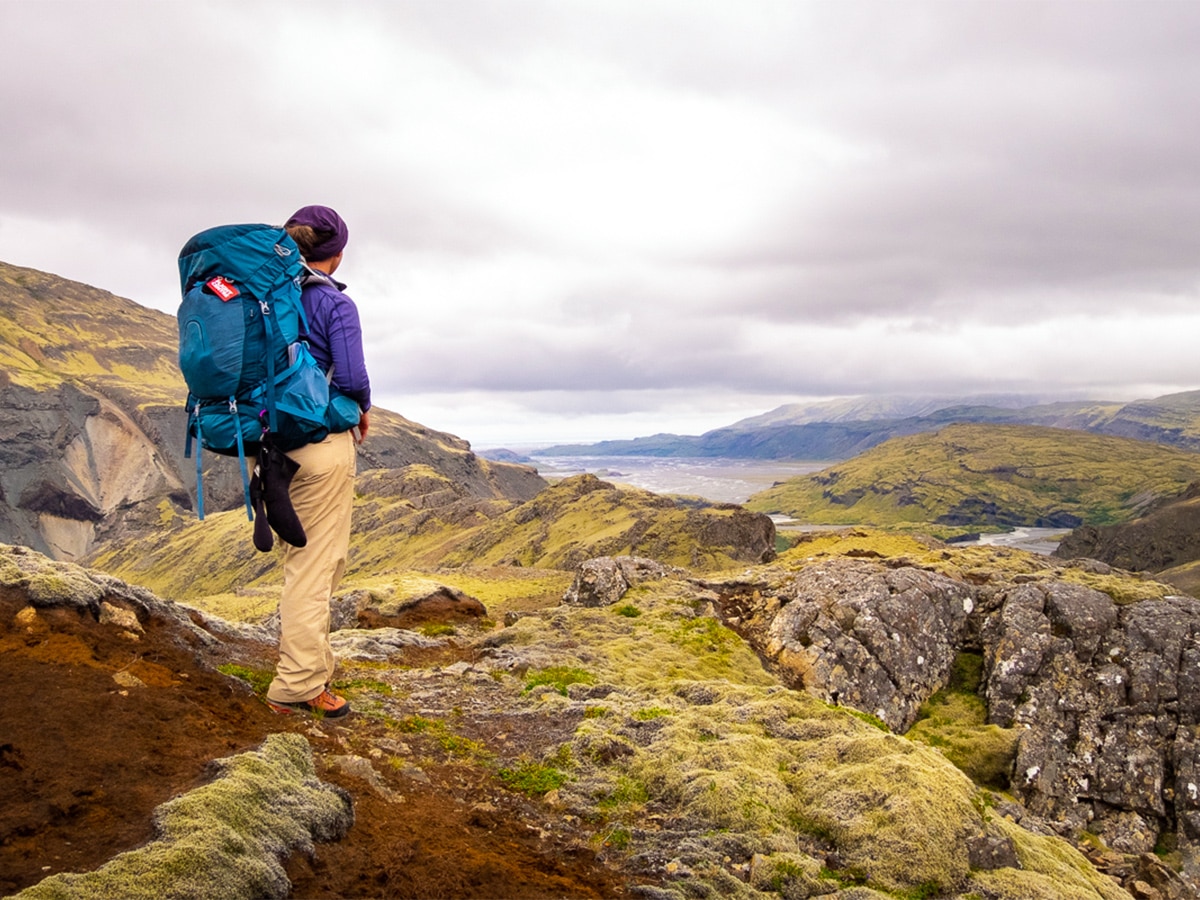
x=256, y=258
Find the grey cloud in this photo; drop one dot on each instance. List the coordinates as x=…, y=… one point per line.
x=956, y=165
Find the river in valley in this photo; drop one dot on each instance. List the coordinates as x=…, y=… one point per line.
x=733, y=481
x=720, y=480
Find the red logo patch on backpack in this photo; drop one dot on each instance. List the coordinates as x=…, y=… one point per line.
x=222, y=288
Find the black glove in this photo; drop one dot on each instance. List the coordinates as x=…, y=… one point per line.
x=276, y=470
x=264, y=540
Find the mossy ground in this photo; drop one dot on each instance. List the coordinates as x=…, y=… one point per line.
x=690, y=729
x=954, y=720
x=434, y=820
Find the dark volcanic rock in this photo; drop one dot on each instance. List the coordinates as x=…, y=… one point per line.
x=856, y=633
x=1105, y=697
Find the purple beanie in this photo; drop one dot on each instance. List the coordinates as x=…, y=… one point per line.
x=324, y=221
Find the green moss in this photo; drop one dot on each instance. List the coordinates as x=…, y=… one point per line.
x=859, y=542
x=226, y=838
x=446, y=739
x=954, y=720
x=62, y=583
x=628, y=792
x=363, y=684
x=616, y=838
x=1124, y=589
x=872, y=720
x=559, y=678
x=628, y=610
x=258, y=679
x=417, y=724
x=650, y=713
x=704, y=634
x=532, y=777
x=242, y=605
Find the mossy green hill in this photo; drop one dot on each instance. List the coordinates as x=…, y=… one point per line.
x=984, y=476
x=53, y=330
x=414, y=520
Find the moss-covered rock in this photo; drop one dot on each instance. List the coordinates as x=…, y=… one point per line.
x=697, y=760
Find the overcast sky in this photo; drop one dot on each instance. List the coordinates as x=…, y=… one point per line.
x=587, y=219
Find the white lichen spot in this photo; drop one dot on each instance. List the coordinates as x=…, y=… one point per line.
x=968, y=605
x=1032, y=773
x=1193, y=791
x=920, y=660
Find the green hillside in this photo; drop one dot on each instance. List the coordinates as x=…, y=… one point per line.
x=53, y=330
x=417, y=521
x=988, y=475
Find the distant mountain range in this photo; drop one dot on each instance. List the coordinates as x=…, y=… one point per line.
x=841, y=429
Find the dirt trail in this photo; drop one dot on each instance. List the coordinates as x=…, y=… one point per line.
x=98, y=729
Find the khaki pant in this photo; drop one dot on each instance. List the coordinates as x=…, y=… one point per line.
x=322, y=494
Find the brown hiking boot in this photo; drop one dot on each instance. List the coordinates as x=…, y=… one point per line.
x=326, y=704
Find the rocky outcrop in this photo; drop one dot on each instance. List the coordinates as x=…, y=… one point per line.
x=856, y=633
x=76, y=469
x=604, y=581
x=1106, y=700
x=1104, y=696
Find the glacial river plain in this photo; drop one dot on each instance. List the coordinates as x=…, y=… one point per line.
x=732, y=481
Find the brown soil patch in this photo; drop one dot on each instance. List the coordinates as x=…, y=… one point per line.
x=87, y=753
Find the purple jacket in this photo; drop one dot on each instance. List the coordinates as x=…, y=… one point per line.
x=335, y=336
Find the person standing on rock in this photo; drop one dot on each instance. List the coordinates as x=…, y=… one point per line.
x=322, y=491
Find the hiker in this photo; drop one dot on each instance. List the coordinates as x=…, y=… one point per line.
x=322, y=490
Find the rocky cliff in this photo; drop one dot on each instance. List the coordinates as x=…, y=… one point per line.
x=92, y=424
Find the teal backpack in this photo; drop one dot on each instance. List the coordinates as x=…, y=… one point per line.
x=242, y=348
